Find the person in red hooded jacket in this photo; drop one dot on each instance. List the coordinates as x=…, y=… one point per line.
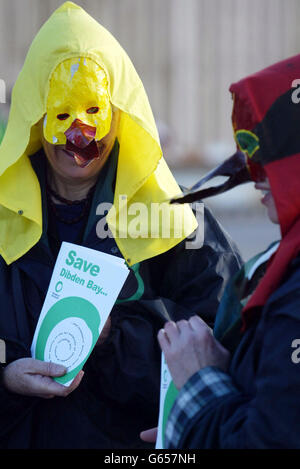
x=239, y=387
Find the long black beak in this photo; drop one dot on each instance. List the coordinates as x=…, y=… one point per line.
x=234, y=167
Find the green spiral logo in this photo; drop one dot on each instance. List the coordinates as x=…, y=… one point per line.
x=68, y=334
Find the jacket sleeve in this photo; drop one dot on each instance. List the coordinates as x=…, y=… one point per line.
x=15, y=409
x=123, y=374
x=216, y=414
x=195, y=277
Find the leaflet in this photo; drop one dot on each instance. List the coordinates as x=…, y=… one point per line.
x=168, y=394
x=82, y=292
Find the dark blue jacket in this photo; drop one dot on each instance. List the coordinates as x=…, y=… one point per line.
x=265, y=410
x=119, y=394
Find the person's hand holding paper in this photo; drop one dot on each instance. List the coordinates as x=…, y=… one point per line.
x=31, y=377
x=75, y=316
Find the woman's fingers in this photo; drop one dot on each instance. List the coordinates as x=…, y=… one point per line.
x=149, y=435
x=32, y=377
x=167, y=335
x=197, y=324
x=182, y=330
x=75, y=383
x=163, y=339
x=44, y=368
x=173, y=333
x=46, y=385
x=57, y=389
x=171, y=330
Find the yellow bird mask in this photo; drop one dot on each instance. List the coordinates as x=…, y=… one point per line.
x=78, y=108
x=75, y=74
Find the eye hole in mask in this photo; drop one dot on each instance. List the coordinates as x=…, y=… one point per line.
x=93, y=110
x=63, y=117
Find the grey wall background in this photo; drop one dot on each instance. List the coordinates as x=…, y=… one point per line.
x=187, y=53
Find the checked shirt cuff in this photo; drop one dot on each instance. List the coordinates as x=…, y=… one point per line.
x=204, y=386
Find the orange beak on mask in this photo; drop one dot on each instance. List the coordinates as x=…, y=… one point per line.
x=79, y=111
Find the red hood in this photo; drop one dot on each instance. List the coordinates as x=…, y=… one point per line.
x=264, y=104
x=266, y=122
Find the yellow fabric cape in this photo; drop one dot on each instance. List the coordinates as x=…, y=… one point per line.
x=142, y=176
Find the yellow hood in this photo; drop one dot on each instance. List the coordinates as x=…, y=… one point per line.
x=142, y=176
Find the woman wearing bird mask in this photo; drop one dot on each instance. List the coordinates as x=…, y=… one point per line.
x=80, y=152
x=239, y=388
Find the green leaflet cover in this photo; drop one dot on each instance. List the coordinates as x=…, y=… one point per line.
x=82, y=292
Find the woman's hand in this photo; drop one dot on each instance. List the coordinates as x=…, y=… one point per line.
x=31, y=377
x=189, y=346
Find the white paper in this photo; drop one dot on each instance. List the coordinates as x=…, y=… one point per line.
x=168, y=394
x=82, y=292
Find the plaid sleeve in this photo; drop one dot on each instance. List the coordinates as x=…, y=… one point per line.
x=204, y=386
